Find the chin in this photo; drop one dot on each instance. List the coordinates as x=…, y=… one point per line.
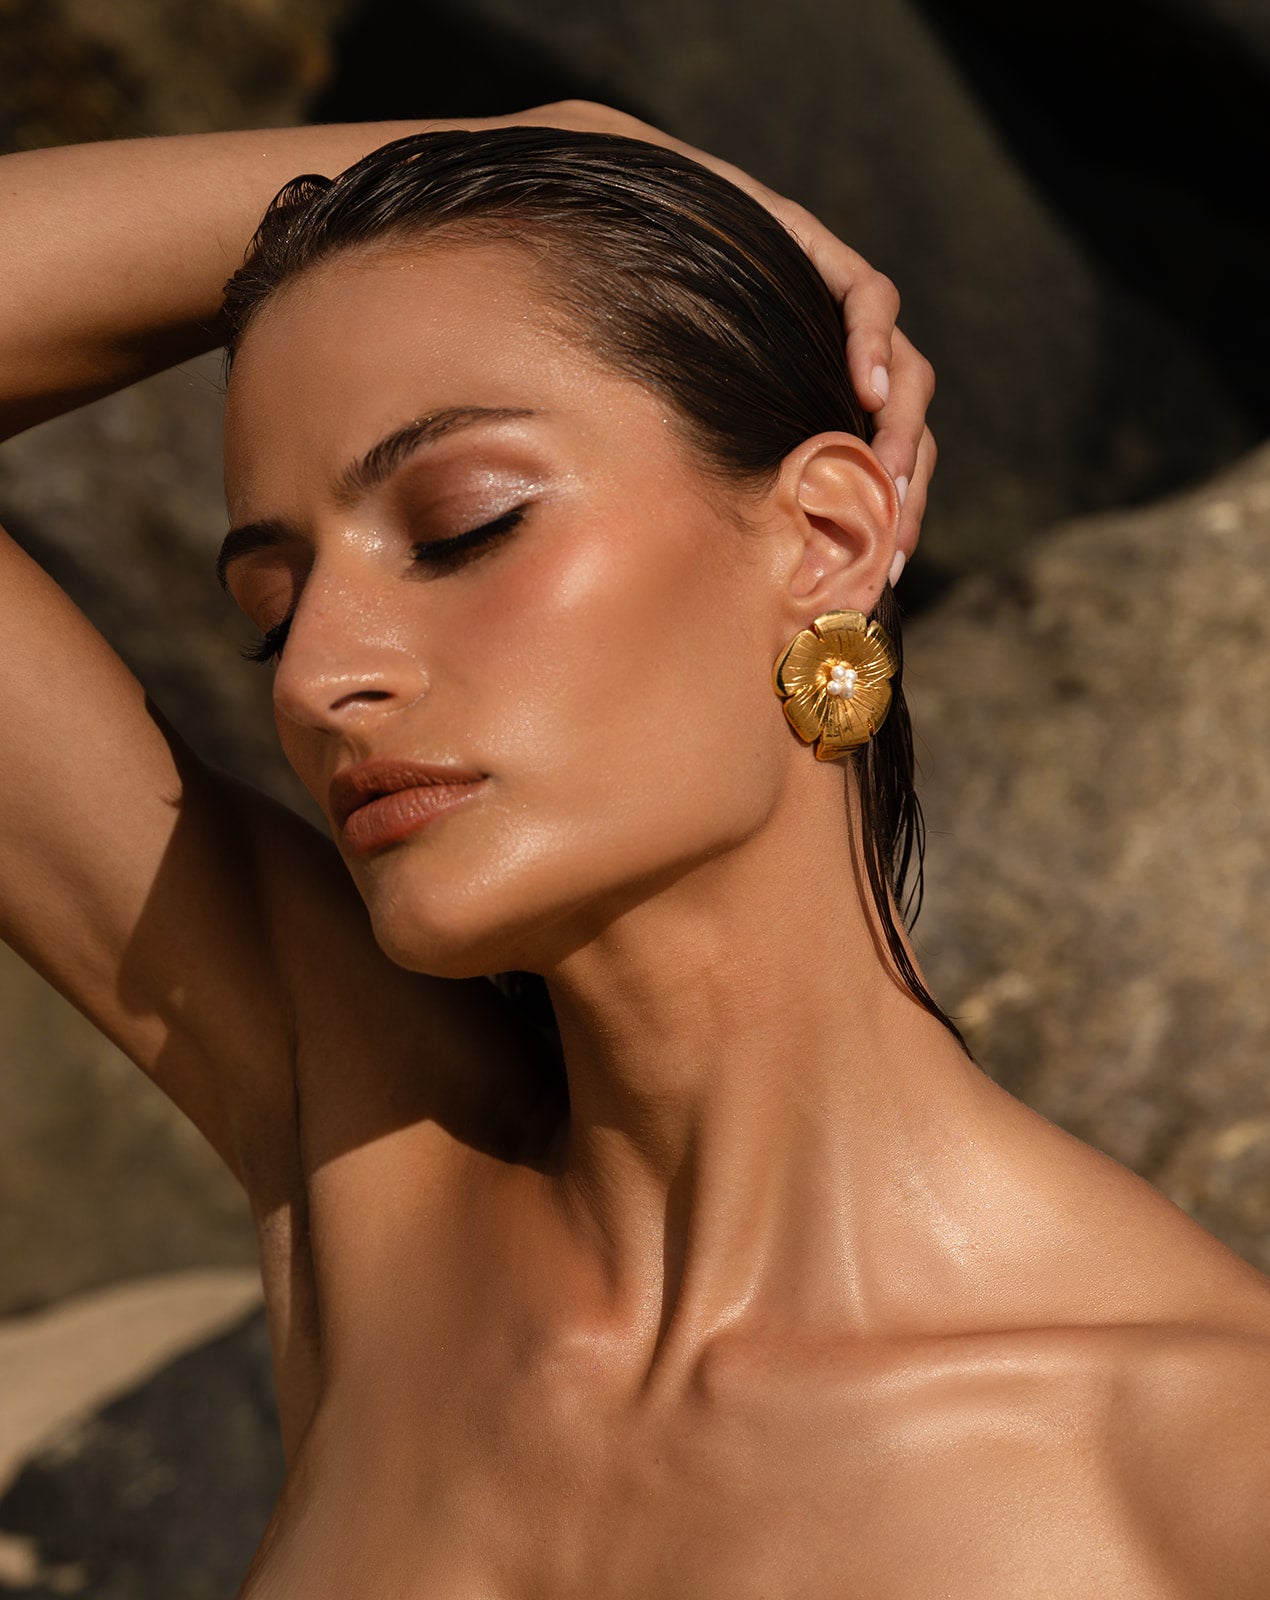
x=440, y=946
x=448, y=924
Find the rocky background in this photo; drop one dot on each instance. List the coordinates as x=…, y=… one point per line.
x=1068, y=197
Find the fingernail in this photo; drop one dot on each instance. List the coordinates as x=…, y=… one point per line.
x=901, y=489
x=897, y=566
x=880, y=383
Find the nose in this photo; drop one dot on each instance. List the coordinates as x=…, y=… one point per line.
x=348, y=660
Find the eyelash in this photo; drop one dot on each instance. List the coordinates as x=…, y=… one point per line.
x=440, y=556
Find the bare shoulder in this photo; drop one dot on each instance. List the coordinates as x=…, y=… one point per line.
x=1157, y=1335
x=1193, y=1445
x=1186, y=1359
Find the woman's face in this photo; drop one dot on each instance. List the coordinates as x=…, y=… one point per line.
x=598, y=661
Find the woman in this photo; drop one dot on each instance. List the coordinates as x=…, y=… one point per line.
x=552, y=505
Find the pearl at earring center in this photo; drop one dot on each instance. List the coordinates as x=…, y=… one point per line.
x=842, y=681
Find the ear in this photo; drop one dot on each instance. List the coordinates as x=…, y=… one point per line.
x=841, y=512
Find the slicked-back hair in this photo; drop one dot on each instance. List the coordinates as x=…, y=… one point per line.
x=671, y=276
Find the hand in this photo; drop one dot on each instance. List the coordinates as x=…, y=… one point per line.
x=893, y=380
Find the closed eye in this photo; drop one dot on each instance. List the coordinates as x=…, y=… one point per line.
x=438, y=556
x=446, y=555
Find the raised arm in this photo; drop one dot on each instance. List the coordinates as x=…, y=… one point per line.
x=156, y=894
x=114, y=255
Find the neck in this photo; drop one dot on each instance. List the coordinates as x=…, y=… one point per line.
x=759, y=1109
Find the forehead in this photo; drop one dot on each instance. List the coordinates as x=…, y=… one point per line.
x=356, y=346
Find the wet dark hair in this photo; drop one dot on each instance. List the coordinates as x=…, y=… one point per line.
x=672, y=276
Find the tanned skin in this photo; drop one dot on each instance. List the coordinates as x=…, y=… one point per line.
x=795, y=1301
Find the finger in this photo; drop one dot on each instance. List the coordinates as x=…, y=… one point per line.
x=902, y=420
x=869, y=315
x=915, y=499
x=842, y=268
x=870, y=301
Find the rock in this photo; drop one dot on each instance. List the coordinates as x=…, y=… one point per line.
x=1094, y=730
x=75, y=70
x=165, y=1492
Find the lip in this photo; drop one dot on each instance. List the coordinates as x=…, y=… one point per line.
x=382, y=801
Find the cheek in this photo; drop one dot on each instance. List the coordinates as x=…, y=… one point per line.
x=642, y=698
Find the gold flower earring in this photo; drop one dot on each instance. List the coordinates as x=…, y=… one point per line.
x=834, y=680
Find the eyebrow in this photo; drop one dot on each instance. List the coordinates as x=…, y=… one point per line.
x=365, y=474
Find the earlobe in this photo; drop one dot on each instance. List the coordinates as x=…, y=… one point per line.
x=846, y=508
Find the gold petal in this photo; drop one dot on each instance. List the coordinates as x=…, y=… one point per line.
x=849, y=647
x=861, y=725
x=839, y=622
x=869, y=708
x=883, y=648
x=871, y=665
x=800, y=711
x=844, y=647
x=862, y=717
x=871, y=653
x=836, y=719
x=797, y=668
x=872, y=672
